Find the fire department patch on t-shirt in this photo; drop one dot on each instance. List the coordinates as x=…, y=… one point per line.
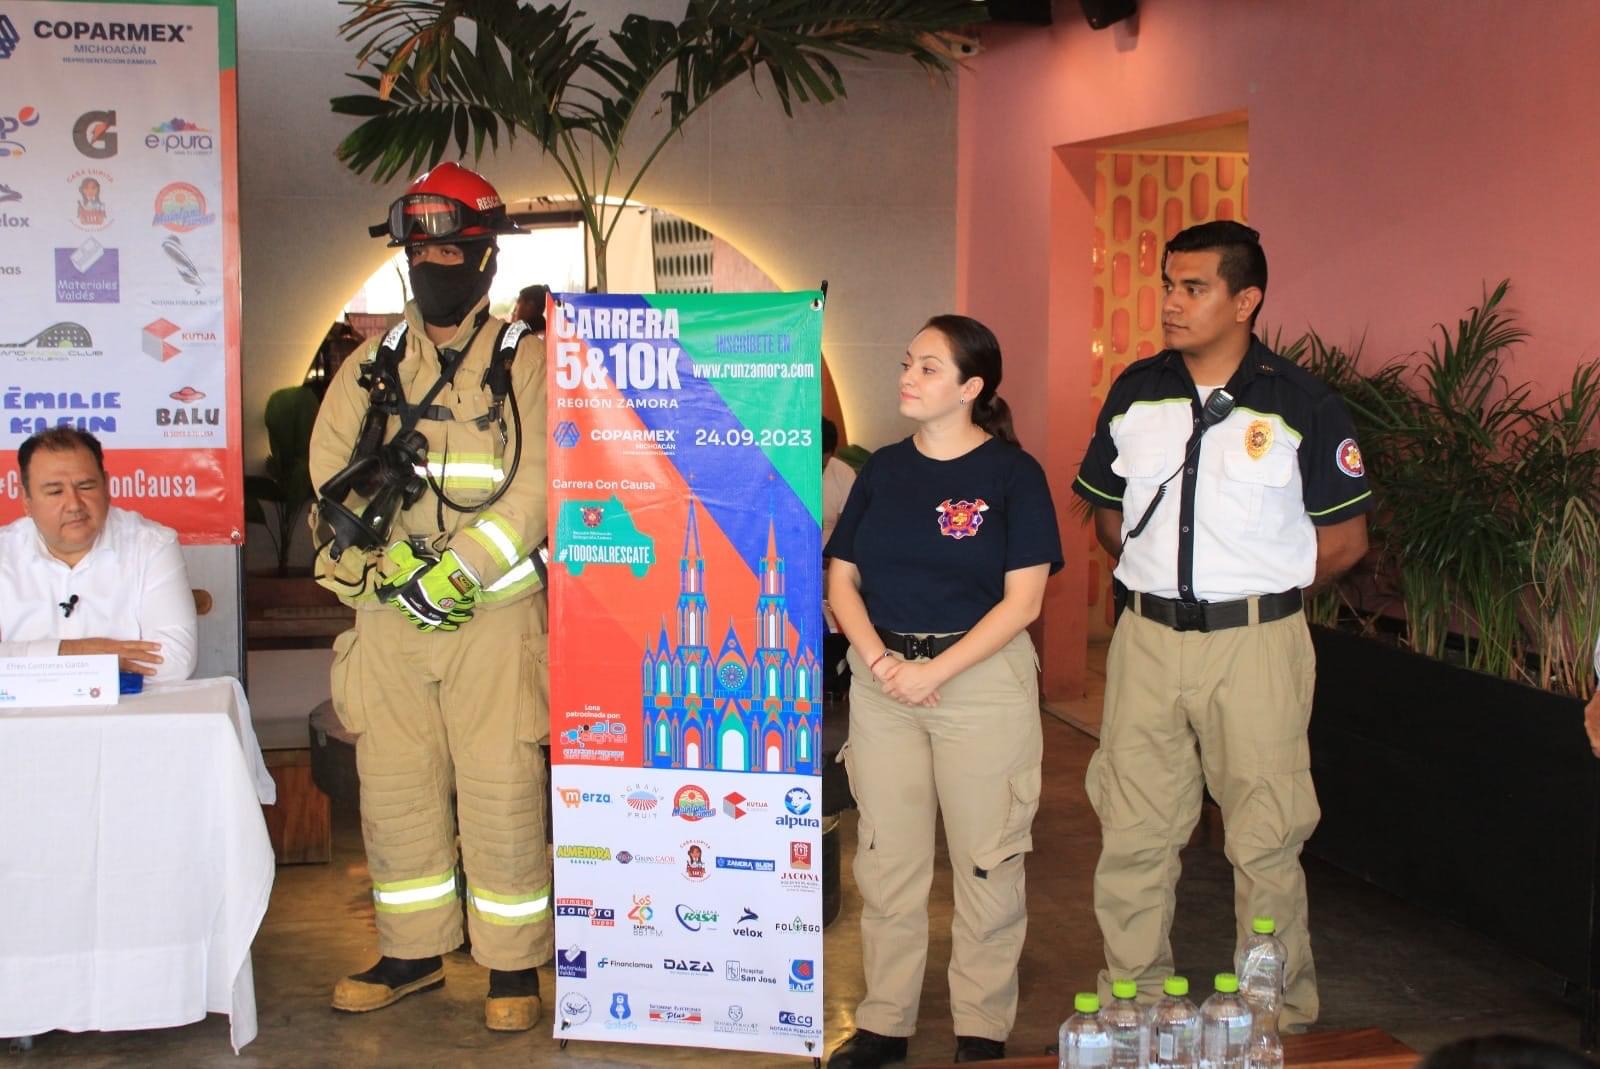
x=961, y=519
x=1348, y=457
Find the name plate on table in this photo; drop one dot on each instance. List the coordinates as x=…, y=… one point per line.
x=32, y=682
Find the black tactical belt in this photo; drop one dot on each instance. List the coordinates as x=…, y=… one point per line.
x=1213, y=615
x=912, y=647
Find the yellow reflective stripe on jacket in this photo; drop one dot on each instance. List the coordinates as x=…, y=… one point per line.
x=510, y=909
x=497, y=536
x=515, y=581
x=410, y=896
x=473, y=471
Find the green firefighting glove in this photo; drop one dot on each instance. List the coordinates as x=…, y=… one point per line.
x=432, y=594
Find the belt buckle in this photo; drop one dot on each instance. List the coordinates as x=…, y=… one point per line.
x=919, y=646
x=1189, y=616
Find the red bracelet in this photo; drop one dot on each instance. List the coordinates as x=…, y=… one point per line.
x=876, y=659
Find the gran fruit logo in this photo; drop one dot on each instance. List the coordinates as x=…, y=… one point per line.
x=181, y=207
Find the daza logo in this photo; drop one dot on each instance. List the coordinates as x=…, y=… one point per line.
x=794, y=1020
x=682, y=965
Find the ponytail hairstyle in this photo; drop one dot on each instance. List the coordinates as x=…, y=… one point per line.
x=977, y=352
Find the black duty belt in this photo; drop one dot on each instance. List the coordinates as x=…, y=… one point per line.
x=1214, y=615
x=912, y=647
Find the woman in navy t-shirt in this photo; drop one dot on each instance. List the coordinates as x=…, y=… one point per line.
x=939, y=565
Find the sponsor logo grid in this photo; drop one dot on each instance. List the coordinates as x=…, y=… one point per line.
x=717, y=943
x=114, y=187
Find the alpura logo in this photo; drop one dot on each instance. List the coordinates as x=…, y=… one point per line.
x=601, y=532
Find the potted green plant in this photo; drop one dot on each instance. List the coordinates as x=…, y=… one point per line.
x=285, y=483
x=1446, y=736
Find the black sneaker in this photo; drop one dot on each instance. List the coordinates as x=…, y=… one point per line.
x=979, y=1049
x=868, y=1050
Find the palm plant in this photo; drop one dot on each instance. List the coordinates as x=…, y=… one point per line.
x=540, y=73
x=1488, y=518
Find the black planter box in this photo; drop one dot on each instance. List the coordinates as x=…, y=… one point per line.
x=1473, y=797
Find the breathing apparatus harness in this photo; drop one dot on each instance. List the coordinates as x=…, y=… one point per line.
x=392, y=475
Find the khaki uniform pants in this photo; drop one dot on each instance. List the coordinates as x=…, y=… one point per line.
x=463, y=711
x=975, y=757
x=1244, y=697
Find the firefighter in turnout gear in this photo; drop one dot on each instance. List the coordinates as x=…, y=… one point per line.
x=429, y=459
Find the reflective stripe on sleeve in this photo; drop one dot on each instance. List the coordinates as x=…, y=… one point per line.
x=495, y=535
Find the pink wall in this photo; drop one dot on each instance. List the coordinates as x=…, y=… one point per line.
x=1401, y=155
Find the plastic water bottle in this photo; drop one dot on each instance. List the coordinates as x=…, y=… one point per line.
x=1266, y=1049
x=1225, y=1026
x=1174, y=1028
x=1261, y=966
x=1085, y=1043
x=1125, y=1021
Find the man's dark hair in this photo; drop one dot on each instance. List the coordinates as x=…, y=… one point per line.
x=536, y=294
x=830, y=435
x=60, y=440
x=1241, y=261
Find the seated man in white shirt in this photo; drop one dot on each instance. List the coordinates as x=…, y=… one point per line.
x=78, y=576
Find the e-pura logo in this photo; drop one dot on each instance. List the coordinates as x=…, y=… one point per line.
x=180, y=137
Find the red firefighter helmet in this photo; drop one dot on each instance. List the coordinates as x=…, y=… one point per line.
x=448, y=203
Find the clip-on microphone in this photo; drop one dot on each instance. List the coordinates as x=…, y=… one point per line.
x=68, y=605
x=1216, y=409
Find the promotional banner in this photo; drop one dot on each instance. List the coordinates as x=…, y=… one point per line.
x=686, y=683
x=119, y=281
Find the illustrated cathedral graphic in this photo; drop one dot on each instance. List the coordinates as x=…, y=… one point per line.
x=760, y=712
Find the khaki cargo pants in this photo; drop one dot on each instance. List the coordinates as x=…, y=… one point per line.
x=447, y=711
x=1232, y=707
x=974, y=758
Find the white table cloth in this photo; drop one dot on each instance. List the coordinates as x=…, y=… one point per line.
x=134, y=862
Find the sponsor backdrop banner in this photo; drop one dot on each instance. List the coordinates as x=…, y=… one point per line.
x=119, y=254
x=685, y=637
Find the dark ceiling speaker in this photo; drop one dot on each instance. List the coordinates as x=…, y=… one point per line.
x=1102, y=13
x=1033, y=12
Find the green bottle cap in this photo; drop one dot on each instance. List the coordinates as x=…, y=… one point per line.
x=1086, y=1002
x=1263, y=926
x=1176, y=986
x=1227, y=983
x=1124, y=989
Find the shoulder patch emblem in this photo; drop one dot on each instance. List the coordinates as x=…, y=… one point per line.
x=1258, y=438
x=961, y=519
x=1348, y=457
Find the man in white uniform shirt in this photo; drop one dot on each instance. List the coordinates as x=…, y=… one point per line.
x=80, y=577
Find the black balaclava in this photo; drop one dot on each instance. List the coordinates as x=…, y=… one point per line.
x=445, y=293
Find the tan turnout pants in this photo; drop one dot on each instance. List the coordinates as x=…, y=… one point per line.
x=447, y=711
x=974, y=758
x=1232, y=707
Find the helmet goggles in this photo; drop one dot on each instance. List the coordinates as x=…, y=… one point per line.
x=430, y=218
